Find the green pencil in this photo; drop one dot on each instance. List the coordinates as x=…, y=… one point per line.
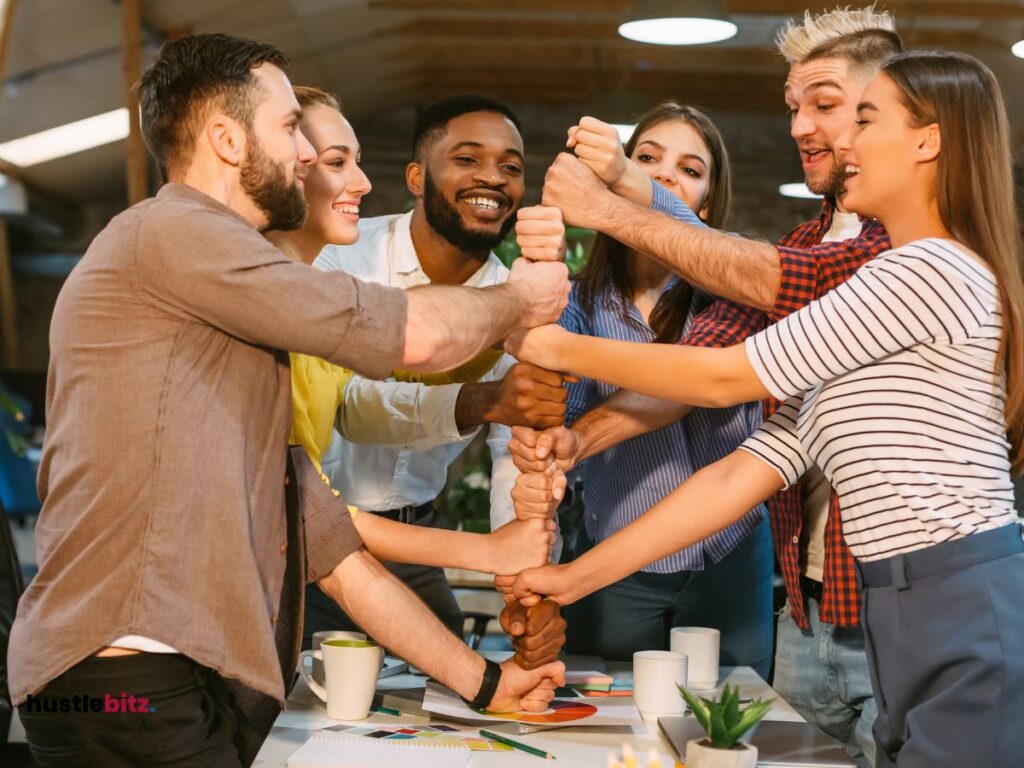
x=516, y=744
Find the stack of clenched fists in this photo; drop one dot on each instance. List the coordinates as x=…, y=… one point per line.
x=537, y=631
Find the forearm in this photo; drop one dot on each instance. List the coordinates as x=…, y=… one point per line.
x=398, y=414
x=448, y=325
x=712, y=378
x=744, y=271
x=396, y=618
x=403, y=543
x=621, y=417
x=475, y=403
x=634, y=185
x=711, y=499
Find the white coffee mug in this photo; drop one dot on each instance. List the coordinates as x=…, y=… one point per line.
x=655, y=674
x=329, y=634
x=350, y=672
x=701, y=645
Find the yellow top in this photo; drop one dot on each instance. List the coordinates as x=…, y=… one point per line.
x=318, y=391
x=464, y=374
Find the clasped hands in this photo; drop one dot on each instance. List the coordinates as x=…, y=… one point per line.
x=577, y=187
x=584, y=188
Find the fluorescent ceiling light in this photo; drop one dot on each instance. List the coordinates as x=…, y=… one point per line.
x=625, y=131
x=671, y=22
x=797, y=189
x=1018, y=49
x=66, y=139
x=678, y=31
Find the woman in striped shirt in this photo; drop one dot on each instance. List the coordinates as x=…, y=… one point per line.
x=906, y=386
x=724, y=581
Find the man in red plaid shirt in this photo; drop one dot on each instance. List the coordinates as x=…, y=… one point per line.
x=820, y=661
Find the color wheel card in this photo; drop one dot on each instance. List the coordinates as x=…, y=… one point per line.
x=588, y=713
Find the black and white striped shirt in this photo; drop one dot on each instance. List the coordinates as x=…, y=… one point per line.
x=890, y=386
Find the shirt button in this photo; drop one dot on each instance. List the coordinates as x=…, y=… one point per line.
x=273, y=620
x=284, y=549
x=287, y=480
x=796, y=539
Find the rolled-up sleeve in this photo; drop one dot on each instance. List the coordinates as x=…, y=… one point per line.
x=246, y=287
x=328, y=530
x=777, y=443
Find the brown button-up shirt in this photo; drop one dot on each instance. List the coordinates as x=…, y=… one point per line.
x=168, y=407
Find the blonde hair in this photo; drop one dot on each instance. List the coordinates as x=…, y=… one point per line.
x=865, y=36
x=309, y=97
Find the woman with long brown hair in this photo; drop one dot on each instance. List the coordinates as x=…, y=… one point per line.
x=906, y=386
x=722, y=582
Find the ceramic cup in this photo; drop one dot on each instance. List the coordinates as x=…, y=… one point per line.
x=350, y=672
x=655, y=674
x=329, y=634
x=700, y=644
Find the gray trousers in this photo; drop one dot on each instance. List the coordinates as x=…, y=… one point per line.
x=945, y=639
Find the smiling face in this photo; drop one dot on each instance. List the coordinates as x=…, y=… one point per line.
x=471, y=180
x=674, y=154
x=822, y=96
x=886, y=160
x=334, y=184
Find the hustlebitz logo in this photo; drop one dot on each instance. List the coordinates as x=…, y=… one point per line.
x=107, y=704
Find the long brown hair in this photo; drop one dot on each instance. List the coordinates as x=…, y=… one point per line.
x=607, y=266
x=975, y=189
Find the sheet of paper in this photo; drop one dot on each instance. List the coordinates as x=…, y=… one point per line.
x=563, y=712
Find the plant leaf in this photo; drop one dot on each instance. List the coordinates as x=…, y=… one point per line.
x=750, y=717
x=698, y=707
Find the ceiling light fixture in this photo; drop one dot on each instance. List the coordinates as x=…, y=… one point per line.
x=1017, y=49
x=66, y=139
x=668, y=22
x=799, y=190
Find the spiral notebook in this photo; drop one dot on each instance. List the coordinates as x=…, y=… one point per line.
x=339, y=750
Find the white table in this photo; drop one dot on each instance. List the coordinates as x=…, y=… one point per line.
x=574, y=747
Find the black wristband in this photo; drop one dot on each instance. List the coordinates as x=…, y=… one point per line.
x=492, y=676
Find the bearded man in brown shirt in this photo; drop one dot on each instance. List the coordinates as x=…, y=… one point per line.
x=171, y=567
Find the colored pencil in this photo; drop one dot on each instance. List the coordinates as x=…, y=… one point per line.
x=516, y=744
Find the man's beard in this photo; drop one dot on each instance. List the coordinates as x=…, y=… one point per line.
x=444, y=218
x=833, y=186
x=265, y=182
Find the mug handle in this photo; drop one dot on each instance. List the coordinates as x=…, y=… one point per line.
x=314, y=686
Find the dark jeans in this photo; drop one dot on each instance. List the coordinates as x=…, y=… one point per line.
x=429, y=584
x=194, y=720
x=733, y=596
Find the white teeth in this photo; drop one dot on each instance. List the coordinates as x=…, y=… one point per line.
x=483, y=202
x=852, y=169
x=353, y=209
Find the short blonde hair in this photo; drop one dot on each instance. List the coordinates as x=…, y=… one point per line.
x=864, y=36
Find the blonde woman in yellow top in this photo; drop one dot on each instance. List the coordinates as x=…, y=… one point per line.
x=334, y=186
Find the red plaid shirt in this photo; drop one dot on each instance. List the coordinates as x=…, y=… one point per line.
x=810, y=269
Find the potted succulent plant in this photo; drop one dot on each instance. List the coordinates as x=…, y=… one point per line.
x=724, y=722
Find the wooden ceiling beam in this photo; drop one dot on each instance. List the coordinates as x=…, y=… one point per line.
x=902, y=9
x=747, y=93
x=491, y=6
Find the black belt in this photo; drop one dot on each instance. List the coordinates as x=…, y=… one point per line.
x=408, y=514
x=811, y=588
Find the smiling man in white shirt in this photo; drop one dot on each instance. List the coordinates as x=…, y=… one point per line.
x=467, y=179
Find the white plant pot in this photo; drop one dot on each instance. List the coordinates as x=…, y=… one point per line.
x=700, y=755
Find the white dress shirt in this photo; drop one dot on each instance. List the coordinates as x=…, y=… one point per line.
x=412, y=471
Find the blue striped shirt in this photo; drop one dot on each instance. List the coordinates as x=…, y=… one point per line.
x=622, y=483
